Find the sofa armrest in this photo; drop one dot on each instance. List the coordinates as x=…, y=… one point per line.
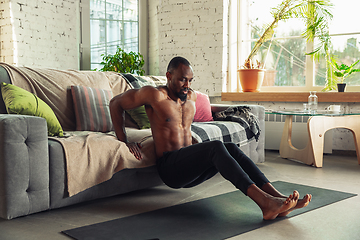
x=24, y=165
x=256, y=149
x=221, y=107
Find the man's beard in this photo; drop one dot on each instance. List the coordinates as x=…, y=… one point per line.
x=182, y=96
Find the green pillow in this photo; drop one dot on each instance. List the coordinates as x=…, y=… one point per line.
x=20, y=101
x=140, y=117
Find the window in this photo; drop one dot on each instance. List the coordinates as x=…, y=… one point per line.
x=112, y=23
x=289, y=69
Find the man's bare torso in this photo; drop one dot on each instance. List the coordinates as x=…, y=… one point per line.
x=170, y=109
x=170, y=120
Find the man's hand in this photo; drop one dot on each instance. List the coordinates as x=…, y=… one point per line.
x=135, y=149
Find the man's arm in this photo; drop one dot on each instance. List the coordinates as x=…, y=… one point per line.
x=128, y=100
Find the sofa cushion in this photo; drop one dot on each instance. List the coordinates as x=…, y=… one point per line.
x=140, y=81
x=93, y=157
x=203, y=109
x=140, y=117
x=139, y=114
x=91, y=106
x=20, y=101
x=4, y=77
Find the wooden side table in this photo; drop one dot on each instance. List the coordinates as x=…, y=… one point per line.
x=317, y=125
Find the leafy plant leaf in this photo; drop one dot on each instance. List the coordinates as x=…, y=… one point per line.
x=123, y=62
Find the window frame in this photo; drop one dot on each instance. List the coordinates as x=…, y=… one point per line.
x=85, y=42
x=241, y=27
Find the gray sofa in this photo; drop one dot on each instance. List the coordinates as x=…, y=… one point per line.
x=33, y=168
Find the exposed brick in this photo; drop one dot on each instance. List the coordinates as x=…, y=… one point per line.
x=45, y=33
x=192, y=29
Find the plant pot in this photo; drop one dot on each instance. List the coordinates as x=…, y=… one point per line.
x=341, y=87
x=251, y=79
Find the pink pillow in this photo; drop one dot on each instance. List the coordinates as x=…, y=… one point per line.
x=203, y=108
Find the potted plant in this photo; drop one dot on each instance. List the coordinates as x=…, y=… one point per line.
x=343, y=71
x=315, y=14
x=123, y=62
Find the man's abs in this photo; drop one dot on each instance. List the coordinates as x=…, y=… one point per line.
x=170, y=122
x=170, y=140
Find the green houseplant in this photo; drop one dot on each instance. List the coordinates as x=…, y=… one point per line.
x=315, y=14
x=343, y=71
x=123, y=62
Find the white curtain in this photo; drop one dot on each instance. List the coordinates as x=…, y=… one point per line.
x=236, y=29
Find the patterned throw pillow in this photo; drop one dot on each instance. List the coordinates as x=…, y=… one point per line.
x=137, y=81
x=141, y=81
x=91, y=106
x=159, y=80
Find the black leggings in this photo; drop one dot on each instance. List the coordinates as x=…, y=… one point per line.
x=192, y=165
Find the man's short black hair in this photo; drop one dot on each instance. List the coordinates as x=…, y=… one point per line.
x=175, y=62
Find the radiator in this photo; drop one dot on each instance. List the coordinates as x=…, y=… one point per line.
x=274, y=125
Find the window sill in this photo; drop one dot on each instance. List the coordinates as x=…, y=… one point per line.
x=289, y=96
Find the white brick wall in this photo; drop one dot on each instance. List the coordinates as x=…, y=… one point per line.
x=153, y=38
x=40, y=33
x=192, y=29
x=45, y=33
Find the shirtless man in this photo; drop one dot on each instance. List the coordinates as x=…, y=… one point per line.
x=180, y=163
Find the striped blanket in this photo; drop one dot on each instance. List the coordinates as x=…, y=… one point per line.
x=235, y=124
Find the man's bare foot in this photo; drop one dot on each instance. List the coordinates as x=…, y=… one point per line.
x=300, y=204
x=270, y=189
x=272, y=206
x=276, y=206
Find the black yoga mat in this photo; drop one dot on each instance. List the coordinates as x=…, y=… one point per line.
x=217, y=217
